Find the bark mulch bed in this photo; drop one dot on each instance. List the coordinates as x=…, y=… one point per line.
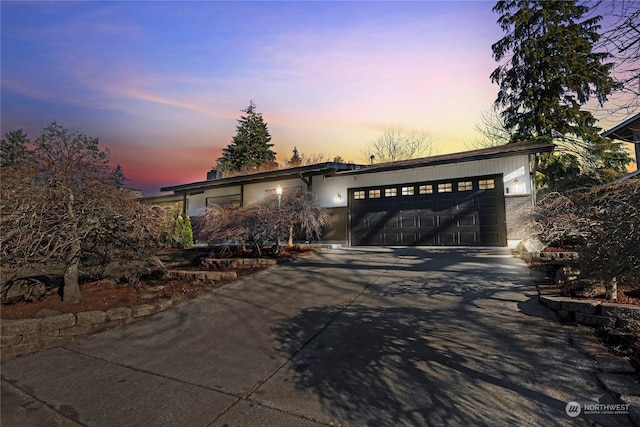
x=106, y=294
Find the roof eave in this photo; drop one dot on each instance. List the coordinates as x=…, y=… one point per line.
x=322, y=168
x=611, y=132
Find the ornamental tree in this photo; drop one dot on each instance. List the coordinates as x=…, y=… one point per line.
x=60, y=202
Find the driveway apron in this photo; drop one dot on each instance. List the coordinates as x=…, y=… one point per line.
x=356, y=336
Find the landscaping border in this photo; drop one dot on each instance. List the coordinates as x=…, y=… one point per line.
x=25, y=336
x=593, y=312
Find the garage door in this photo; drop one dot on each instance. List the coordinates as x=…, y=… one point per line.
x=465, y=211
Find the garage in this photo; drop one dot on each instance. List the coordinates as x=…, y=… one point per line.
x=466, y=211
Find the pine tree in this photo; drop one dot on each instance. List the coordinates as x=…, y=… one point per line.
x=250, y=148
x=552, y=71
x=118, y=177
x=295, y=159
x=13, y=147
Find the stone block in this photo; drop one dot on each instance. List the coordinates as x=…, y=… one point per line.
x=587, y=307
x=20, y=327
x=91, y=317
x=30, y=338
x=215, y=275
x=143, y=310
x=119, y=313
x=163, y=305
x=9, y=340
x=565, y=316
x=622, y=311
x=595, y=320
x=229, y=275
x=58, y=322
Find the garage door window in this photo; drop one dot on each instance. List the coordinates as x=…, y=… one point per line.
x=486, y=184
x=358, y=195
x=390, y=192
x=374, y=194
x=426, y=189
x=445, y=188
x=407, y=191
x=465, y=186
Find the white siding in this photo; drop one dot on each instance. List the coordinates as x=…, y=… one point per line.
x=332, y=191
x=516, y=167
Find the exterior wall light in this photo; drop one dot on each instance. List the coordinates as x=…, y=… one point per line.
x=516, y=185
x=279, y=193
x=338, y=198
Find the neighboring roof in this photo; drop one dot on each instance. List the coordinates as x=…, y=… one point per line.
x=507, y=150
x=624, y=131
x=301, y=171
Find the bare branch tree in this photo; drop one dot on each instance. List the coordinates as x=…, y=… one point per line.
x=492, y=131
x=601, y=223
x=60, y=201
x=400, y=144
x=298, y=213
x=621, y=38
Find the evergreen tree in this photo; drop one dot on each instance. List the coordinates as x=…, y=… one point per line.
x=295, y=159
x=13, y=147
x=250, y=148
x=117, y=175
x=186, y=235
x=552, y=71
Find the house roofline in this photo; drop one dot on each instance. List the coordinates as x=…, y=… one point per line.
x=300, y=171
x=611, y=132
x=507, y=150
x=328, y=168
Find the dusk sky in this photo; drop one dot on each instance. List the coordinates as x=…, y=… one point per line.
x=162, y=84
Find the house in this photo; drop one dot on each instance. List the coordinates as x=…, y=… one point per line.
x=627, y=131
x=467, y=198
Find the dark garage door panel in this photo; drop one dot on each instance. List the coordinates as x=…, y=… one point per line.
x=463, y=216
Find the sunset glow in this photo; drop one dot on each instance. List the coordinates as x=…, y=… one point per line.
x=161, y=84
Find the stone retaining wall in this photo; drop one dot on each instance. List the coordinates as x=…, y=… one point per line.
x=235, y=263
x=593, y=313
x=24, y=336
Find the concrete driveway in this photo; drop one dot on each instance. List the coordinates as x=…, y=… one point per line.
x=358, y=336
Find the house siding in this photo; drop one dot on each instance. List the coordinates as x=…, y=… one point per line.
x=332, y=190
